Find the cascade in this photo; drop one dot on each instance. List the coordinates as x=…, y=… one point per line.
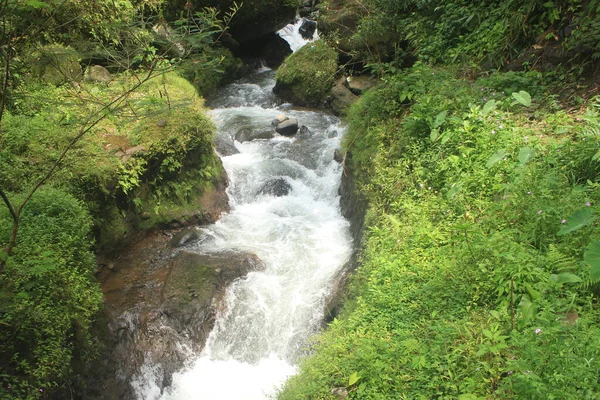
x=265, y=318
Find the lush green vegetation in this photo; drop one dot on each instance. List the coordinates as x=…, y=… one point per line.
x=480, y=270
x=562, y=33
x=480, y=266
x=90, y=154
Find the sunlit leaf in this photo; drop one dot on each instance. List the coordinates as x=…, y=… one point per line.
x=522, y=97
x=454, y=190
x=565, y=277
x=353, y=378
x=578, y=220
x=496, y=157
x=489, y=107
x=527, y=308
x=592, y=257
x=526, y=154
x=440, y=119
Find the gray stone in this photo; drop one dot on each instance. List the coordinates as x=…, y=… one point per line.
x=247, y=135
x=338, y=156
x=340, y=393
x=304, y=131
x=307, y=29
x=341, y=97
x=277, y=187
x=359, y=84
x=184, y=237
x=135, y=150
x=279, y=119
x=97, y=73
x=288, y=127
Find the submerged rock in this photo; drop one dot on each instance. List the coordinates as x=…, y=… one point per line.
x=247, y=135
x=275, y=187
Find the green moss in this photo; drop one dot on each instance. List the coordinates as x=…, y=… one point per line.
x=56, y=64
x=307, y=76
x=166, y=120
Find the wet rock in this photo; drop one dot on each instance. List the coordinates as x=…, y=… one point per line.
x=341, y=97
x=307, y=29
x=338, y=156
x=304, y=131
x=289, y=127
x=225, y=146
x=279, y=119
x=160, y=308
x=277, y=187
x=184, y=237
x=360, y=83
x=247, y=135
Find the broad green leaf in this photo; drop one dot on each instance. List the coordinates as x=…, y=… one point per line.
x=468, y=396
x=596, y=156
x=434, y=135
x=489, y=107
x=526, y=308
x=446, y=137
x=565, y=277
x=578, y=220
x=526, y=154
x=591, y=256
x=496, y=157
x=522, y=97
x=353, y=378
x=454, y=190
x=439, y=119
x=534, y=294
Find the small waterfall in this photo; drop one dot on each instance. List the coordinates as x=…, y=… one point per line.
x=291, y=34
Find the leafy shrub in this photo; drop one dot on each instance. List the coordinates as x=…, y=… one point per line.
x=479, y=274
x=48, y=297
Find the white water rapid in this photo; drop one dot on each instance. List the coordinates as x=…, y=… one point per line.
x=267, y=316
x=291, y=34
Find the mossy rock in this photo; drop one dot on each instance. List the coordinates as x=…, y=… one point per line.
x=56, y=64
x=307, y=76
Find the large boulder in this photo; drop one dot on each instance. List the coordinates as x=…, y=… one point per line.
x=255, y=18
x=160, y=306
x=307, y=29
x=307, y=76
x=56, y=64
x=289, y=127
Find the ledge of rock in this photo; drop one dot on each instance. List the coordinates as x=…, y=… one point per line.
x=157, y=299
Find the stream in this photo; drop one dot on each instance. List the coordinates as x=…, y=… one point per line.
x=285, y=209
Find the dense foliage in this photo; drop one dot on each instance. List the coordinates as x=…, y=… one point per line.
x=99, y=138
x=48, y=296
x=480, y=270
x=478, y=34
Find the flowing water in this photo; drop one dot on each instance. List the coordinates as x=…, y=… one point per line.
x=267, y=316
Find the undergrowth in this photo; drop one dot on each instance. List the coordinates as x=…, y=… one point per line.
x=481, y=263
